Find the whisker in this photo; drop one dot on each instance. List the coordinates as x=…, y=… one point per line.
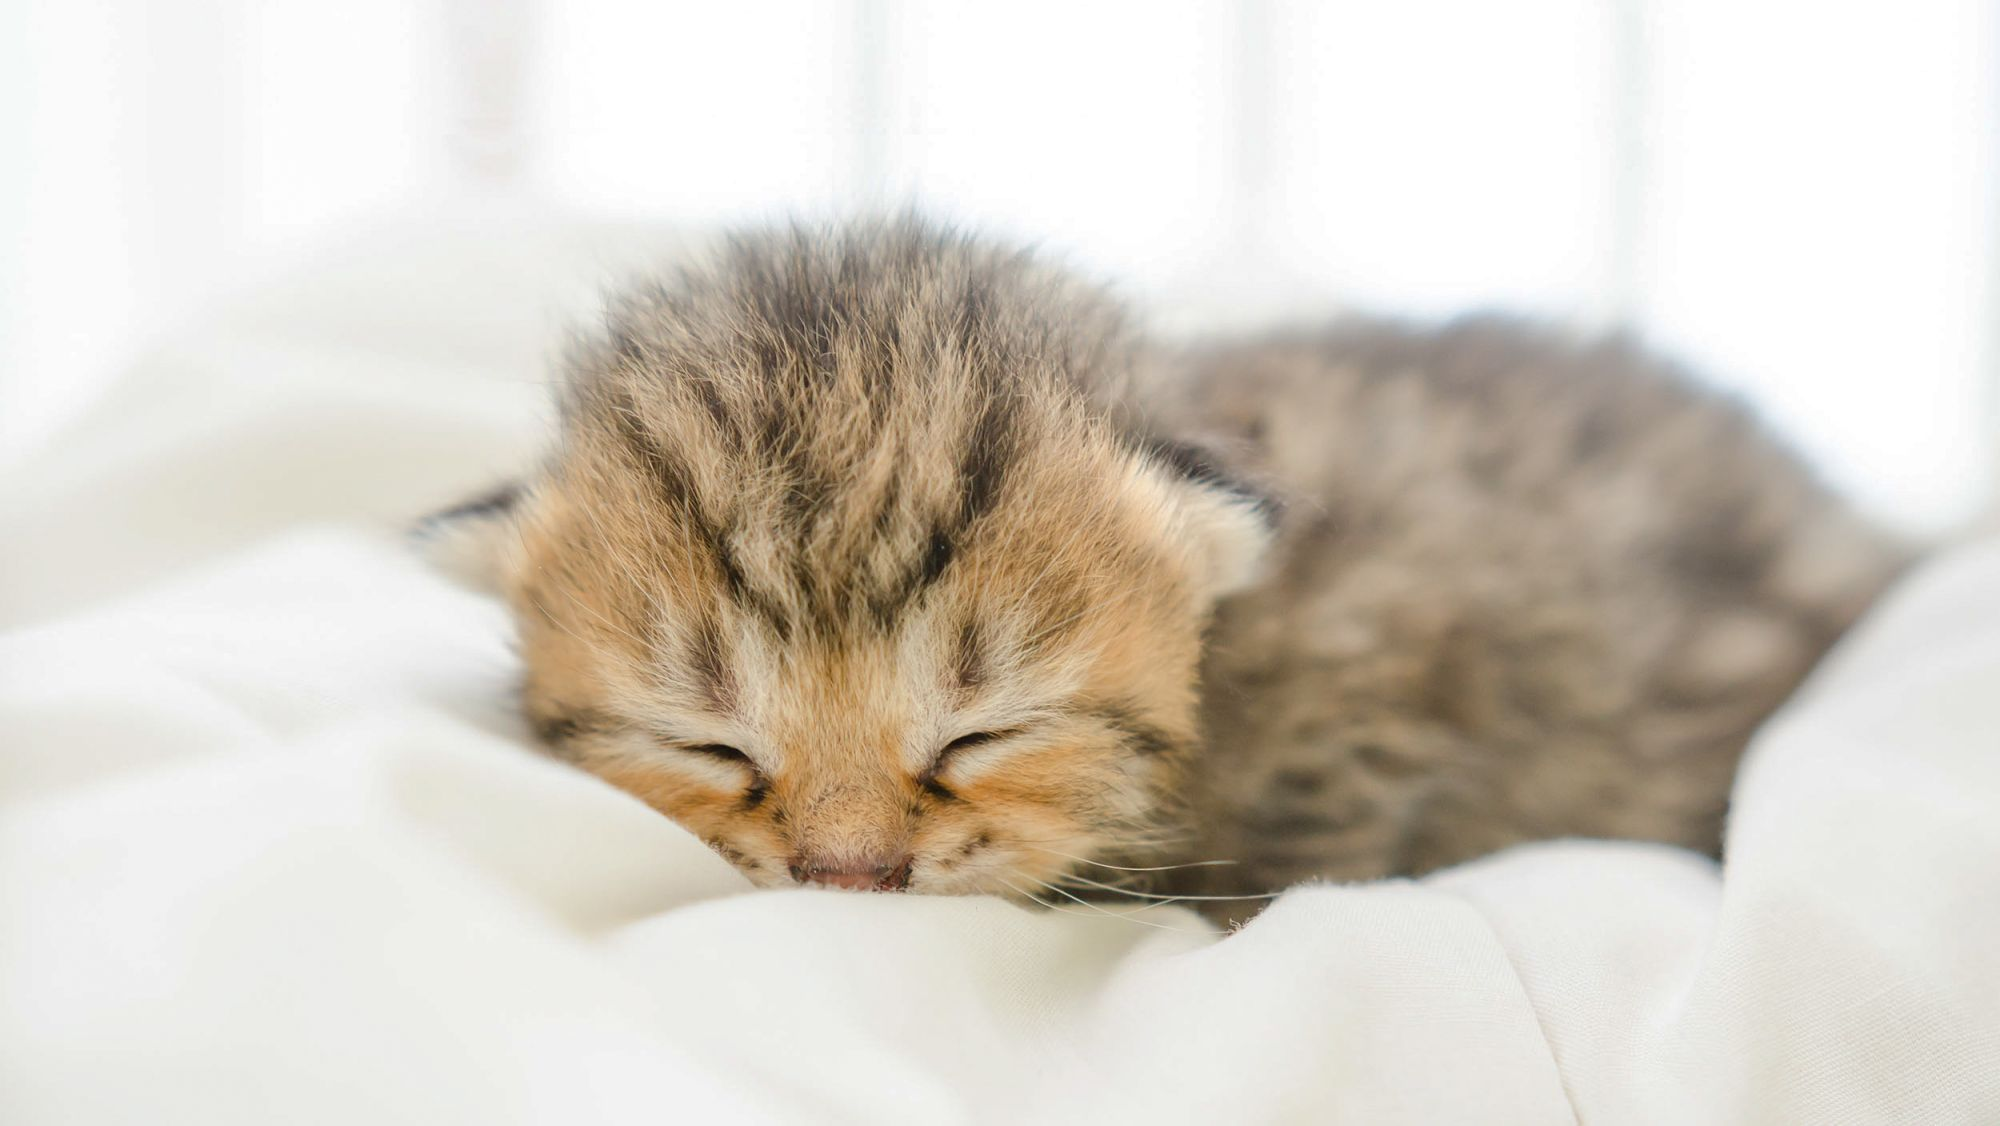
x=1152, y=895
x=1125, y=915
x=1026, y=894
x=1123, y=836
x=1156, y=901
x=1129, y=868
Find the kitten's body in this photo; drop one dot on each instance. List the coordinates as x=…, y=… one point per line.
x=1526, y=588
x=881, y=558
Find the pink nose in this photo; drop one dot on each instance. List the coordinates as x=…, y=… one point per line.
x=887, y=875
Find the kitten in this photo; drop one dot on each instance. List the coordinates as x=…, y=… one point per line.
x=884, y=558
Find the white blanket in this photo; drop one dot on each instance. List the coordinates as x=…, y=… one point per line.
x=275, y=849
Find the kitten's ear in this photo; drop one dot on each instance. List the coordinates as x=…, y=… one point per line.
x=471, y=541
x=1228, y=523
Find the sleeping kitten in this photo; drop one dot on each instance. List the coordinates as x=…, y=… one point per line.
x=881, y=558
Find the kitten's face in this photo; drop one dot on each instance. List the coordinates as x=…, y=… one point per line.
x=1005, y=713
x=840, y=565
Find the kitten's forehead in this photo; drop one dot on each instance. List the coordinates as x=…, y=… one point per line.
x=1002, y=620
x=824, y=427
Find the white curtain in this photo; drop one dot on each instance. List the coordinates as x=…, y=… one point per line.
x=1796, y=196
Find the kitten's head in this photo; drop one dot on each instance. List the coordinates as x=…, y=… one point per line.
x=842, y=565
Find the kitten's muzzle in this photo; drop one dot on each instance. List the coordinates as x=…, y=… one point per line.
x=877, y=874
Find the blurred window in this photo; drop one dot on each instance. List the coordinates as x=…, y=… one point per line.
x=1796, y=196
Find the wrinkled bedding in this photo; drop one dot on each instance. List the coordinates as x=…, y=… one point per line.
x=274, y=848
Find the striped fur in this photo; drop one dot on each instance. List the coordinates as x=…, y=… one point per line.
x=865, y=543
x=840, y=556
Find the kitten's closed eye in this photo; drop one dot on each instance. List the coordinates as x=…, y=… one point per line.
x=929, y=778
x=719, y=750
x=760, y=787
x=967, y=742
x=972, y=740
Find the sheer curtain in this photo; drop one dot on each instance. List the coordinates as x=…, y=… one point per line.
x=1797, y=196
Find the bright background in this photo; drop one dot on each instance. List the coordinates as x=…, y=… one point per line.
x=1798, y=196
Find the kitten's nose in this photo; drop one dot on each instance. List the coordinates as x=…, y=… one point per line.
x=875, y=874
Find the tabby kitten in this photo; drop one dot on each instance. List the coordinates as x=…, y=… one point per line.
x=884, y=558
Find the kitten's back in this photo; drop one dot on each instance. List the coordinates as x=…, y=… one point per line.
x=1526, y=587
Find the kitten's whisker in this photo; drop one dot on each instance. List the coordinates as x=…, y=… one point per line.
x=1032, y=897
x=1131, y=868
x=1160, y=901
x=1125, y=915
x=1121, y=836
x=1174, y=898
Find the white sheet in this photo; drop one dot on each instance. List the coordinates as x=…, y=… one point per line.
x=274, y=848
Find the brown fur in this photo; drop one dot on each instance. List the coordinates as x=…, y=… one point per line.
x=863, y=547
x=1533, y=587
x=831, y=505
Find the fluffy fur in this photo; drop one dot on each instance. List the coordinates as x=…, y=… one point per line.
x=880, y=557
x=1531, y=587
